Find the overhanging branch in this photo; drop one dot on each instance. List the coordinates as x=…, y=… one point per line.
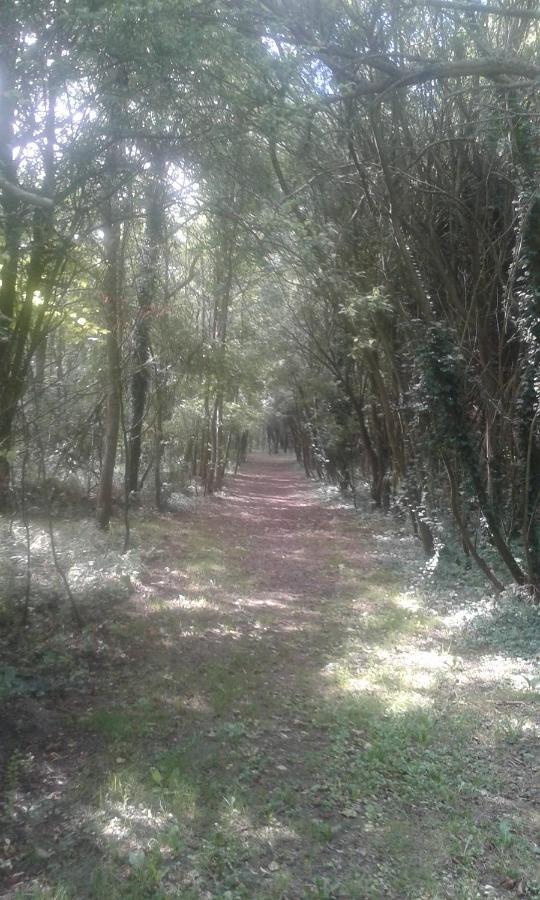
x=515, y=12
x=481, y=68
x=19, y=193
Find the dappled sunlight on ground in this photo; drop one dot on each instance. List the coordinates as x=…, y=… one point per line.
x=277, y=714
x=491, y=669
x=402, y=680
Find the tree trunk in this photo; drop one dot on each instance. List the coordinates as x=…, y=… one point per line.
x=158, y=450
x=111, y=306
x=141, y=340
x=224, y=462
x=11, y=228
x=467, y=543
x=377, y=473
x=6, y=435
x=21, y=326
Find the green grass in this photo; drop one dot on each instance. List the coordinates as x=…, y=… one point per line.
x=121, y=725
x=370, y=772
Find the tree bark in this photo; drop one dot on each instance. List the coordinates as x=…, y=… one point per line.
x=140, y=378
x=111, y=307
x=158, y=449
x=467, y=543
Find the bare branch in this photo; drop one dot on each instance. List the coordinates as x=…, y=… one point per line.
x=484, y=68
x=511, y=12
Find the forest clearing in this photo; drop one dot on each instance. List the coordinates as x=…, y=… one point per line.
x=269, y=449
x=276, y=713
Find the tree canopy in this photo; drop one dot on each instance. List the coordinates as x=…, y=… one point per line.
x=315, y=221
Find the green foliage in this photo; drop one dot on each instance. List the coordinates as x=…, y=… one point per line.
x=511, y=626
x=14, y=683
x=11, y=683
x=443, y=393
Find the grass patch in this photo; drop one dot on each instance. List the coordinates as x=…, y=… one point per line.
x=417, y=757
x=362, y=753
x=511, y=628
x=119, y=725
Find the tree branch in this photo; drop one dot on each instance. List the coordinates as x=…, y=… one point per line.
x=25, y=196
x=483, y=68
x=515, y=12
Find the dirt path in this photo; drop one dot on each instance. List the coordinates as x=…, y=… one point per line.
x=271, y=716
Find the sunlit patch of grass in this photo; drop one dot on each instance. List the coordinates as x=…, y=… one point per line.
x=196, y=602
x=127, y=798
x=133, y=817
x=404, y=737
x=381, y=616
x=177, y=787
x=381, y=657
x=403, y=677
x=120, y=787
x=205, y=565
x=512, y=729
x=234, y=813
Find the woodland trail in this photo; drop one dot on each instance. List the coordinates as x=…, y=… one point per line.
x=270, y=716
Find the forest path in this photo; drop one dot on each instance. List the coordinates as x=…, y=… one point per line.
x=273, y=717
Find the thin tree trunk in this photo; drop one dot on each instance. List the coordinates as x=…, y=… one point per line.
x=224, y=463
x=11, y=228
x=377, y=473
x=111, y=305
x=141, y=340
x=467, y=543
x=158, y=450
